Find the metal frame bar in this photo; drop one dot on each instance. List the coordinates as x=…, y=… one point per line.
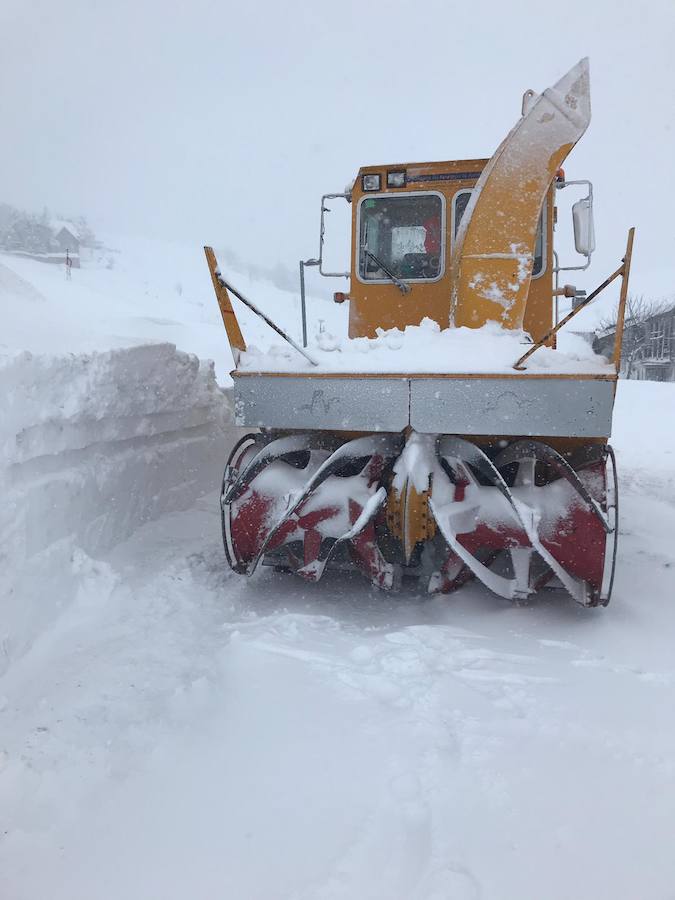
x=303, y=302
x=261, y=315
x=556, y=286
x=324, y=210
x=623, y=271
x=618, y=337
x=319, y=261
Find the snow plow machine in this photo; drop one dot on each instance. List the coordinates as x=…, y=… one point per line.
x=447, y=465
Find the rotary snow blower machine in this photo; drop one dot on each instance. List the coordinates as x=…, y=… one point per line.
x=464, y=470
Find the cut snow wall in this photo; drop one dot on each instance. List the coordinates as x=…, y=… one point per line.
x=91, y=447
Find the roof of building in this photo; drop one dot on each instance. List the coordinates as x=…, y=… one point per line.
x=58, y=225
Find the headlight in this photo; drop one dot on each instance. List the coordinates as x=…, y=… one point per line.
x=395, y=179
x=371, y=182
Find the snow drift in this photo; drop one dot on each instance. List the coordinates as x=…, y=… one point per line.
x=429, y=348
x=91, y=447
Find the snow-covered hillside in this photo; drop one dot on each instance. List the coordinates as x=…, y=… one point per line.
x=169, y=730
x=146, y=291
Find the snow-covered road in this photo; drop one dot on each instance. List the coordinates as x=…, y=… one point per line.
x=184, y=733
x=171, y=731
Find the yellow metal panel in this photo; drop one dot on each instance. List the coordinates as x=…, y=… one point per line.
x=492, y=263
x=234, y=335
x=374, y=306
x=409, y=518
x=618, y=339
x=539, y=307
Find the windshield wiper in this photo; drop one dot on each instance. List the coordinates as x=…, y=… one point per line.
x=401, y=285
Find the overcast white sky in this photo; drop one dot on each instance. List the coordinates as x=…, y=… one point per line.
x=224, y=122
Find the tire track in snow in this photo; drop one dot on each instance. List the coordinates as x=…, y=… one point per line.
x=364, y=746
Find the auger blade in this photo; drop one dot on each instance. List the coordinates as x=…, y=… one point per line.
x=257, y=463
x=480, y=519
x=337, y=505
x=572, y=521
x=260, y=483
x=563, y=527
x=291, y=494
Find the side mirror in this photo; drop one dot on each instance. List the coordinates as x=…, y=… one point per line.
x=584, y=232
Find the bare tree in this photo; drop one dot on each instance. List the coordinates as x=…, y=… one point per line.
x=640, y=313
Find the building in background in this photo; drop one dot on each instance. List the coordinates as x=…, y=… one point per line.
x=648, y=346
x=39, y=237
x=67, y=237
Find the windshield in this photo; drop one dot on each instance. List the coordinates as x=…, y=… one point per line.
x=402, y=234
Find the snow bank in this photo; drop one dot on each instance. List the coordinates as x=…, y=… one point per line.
x=428, y=348
x=91, y=447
